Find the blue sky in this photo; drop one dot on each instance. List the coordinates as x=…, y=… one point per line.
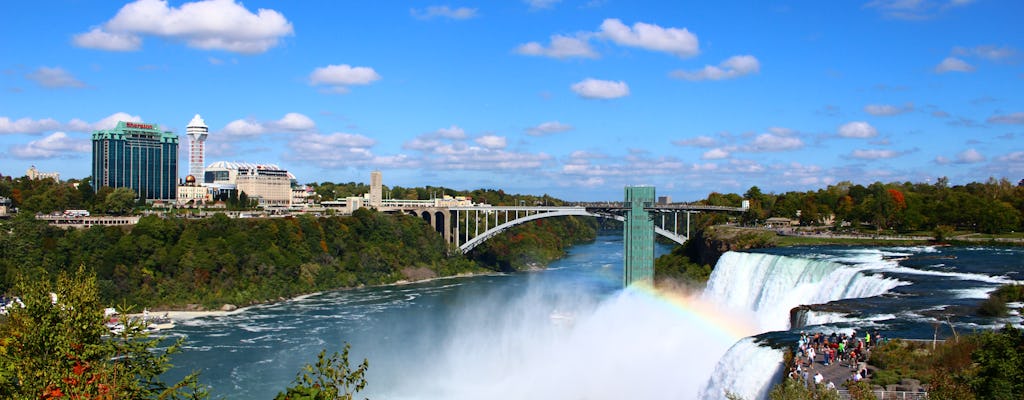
x=571, y=98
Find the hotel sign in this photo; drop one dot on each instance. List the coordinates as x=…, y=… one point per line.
x=138, y=125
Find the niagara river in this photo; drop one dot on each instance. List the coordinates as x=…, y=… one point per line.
x=571, y=331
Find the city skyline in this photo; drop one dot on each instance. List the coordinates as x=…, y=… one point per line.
x=575, y=99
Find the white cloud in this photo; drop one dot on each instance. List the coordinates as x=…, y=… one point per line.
x=953, y=64
x=205, y=24
x=110, y=122
x=598, y=89
x=561, y=47
x=57, y=144
x=773, y=142
x=452, y=132
x=858, y=129
x=1016, y=118
x=336, y=150
x=243, y=128
x=28, y=125
x=100, y=40
x=651, y=37
x=547, y=128
x=444, y=12
x=874, y=154
x=492, y=142
x=942, y=160
x=55, y=77
x=248, y=128
x=734, y=67
x=969, y=156
x=699, y=141
x=294, y=122
x=339, y=77
x=887, y=110
x=715, y=154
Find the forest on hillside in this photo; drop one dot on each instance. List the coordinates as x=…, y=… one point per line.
x=219, y=260
x=994, y=206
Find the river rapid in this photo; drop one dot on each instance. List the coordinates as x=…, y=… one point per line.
x=572, y=332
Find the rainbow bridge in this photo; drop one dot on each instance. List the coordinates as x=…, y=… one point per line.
x=467, y=226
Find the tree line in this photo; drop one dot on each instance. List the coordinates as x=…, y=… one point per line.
x=993, y=206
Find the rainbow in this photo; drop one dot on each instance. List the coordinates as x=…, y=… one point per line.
x=701, y=314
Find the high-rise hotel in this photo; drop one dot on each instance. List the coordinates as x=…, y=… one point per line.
x=138, y=156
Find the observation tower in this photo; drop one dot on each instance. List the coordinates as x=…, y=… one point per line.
x=197, y=132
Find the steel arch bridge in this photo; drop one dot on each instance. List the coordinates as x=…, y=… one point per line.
x=469, y=226
x=466, y=227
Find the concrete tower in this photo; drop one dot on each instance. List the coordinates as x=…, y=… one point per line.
x=376, y=186
x=197, y=131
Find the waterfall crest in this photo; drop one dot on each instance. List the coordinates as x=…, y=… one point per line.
x=769, y=286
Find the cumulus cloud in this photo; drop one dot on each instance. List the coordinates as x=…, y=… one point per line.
x=969, y=156
x=651, y=37
x=339, y=77
x=774, y=142
x=56, y=145
x=715, y=154
x=874, y=154
x=100, y=40
x=444, y=12
x=294, y=122
x=248, y=128
x=857, y=129
x=699, y=141
x=205, y=24
x=888, y=110
x=452, y=132
x=339, y=149
x=547, y=128
x=28, y=125
x=493, y=142
x=110, y=122
x=598, y=89
x=243, y=128
x=1016, y=118
x=54, y=77
x=561, y=47
x=953, y=64
x=734, y=67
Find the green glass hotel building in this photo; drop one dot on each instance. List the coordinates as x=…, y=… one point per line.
x=138, y=156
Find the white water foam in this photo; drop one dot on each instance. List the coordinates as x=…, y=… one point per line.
x=747, y=369
x=630, y=346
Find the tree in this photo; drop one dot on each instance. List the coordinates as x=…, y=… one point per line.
x=329, y=379
x=57, y=345
x=120, y=201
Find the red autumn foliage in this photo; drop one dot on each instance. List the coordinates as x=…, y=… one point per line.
x=897, y=197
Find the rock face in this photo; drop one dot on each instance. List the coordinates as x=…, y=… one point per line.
x=228, y=307
x=711, y=243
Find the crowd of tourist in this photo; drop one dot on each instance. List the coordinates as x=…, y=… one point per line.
x=815, y=352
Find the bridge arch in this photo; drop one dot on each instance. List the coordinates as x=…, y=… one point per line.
x=573, y=211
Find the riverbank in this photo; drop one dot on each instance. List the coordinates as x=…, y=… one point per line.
x=178, y=315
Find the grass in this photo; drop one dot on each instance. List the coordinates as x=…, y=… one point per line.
x=783, y=241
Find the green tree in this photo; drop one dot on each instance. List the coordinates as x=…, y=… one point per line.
x=120, y=201
x=331, y=378
x=57, y=345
